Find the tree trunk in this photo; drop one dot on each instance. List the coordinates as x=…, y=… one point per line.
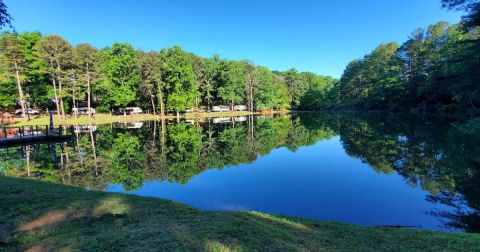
x=74, y=101
x=88, y=92
x=208, y=100
x=160, y=97
x=56, y=96
x=251, y=98
x=62, y=107
x=60, y=91
x=196, y=102
x=20, y=93
x=153, y=106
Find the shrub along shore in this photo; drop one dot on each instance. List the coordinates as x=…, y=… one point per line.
x=44, y=216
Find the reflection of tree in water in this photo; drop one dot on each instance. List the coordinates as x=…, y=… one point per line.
x=128, y=163
x=443, y=160
x=183, y=144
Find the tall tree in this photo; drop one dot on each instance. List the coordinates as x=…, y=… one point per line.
x=265, y=90
x=88, y=61
x=13, y=57
x=121, y=77
x=59, y=56
x=197, y=64
x=36, y=81
x=232, y=82
x=210, y=71
x=149, y=65
x=296, y=87
x=251, y=81
x=179, y=77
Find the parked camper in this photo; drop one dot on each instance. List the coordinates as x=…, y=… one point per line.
x=27, y=111
x=220, y=109
x=84, y=111
x=239, y=108
x=193, y=110
x=132, y=110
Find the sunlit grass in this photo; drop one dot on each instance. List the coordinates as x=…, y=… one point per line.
x=106, y=118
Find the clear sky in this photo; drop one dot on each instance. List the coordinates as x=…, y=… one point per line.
x=318, y=36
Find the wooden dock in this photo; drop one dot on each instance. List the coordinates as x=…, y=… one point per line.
x=10, y=136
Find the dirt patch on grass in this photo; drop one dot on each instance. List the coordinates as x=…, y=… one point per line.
x=38, y=248
x=49, y=219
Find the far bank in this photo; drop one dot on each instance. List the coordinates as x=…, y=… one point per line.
x=107, y=118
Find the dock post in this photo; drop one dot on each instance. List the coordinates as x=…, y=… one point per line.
x=46, y=130
x=5, y=131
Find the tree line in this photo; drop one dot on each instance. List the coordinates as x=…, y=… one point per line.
x=46, y=71
x=436, y=70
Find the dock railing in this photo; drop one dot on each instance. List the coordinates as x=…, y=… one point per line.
x=30, y=131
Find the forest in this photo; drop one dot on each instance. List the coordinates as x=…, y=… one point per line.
x=436, y=72
x=48, y=72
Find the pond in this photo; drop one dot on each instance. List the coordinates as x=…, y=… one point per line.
x=376, y=170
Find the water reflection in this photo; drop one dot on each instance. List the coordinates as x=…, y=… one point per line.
x=441, y=159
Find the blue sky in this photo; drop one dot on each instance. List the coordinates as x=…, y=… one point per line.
x=318, y=36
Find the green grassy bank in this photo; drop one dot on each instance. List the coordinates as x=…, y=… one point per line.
x=46, y=216
x=106, y=118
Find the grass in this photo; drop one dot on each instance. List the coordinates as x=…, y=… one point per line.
x=106, y=118
x=45, y=216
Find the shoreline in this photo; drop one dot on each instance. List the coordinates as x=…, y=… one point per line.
x=107, y=118
x=46, y=216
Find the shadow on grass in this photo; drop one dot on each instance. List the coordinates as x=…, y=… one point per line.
x=43, y=216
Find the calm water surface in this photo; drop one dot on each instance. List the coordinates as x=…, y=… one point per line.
x=370, y=170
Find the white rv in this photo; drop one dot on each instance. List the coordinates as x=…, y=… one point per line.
x=220, y=109
x=239, y=107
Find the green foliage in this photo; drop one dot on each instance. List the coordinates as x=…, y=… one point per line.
x=266, y=92
x=232, y=83
x=121, y=77
x=179, y=77
x=296, y=88
x=149, y=66
x=183, y=143
x=12, y=62
x=436, y=70
x=37, y=83
x=209, y=73
x=128, y=164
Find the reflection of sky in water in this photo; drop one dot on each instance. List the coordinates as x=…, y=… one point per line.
x=319, y=181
